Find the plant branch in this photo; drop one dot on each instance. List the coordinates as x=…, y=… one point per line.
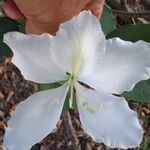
x=120, y=13
x=72, y=130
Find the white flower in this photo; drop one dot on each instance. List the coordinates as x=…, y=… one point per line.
x=78, y=52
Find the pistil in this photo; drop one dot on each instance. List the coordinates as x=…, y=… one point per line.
x=71, y=83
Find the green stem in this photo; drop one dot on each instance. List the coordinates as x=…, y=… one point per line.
x=71, y=96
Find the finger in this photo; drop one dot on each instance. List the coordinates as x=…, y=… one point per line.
x=12, y=10
x=96, y=7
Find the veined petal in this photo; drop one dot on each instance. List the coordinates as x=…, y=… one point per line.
x=108, y=119
x=35, y=118
x=79, y=44
x=32, y=55
x=124, y=64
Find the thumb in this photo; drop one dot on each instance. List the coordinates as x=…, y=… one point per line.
x=96, y=7
x=12, y=10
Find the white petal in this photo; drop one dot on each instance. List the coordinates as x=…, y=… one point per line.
x=108, y=119
x=125, y=64
x=32, y=55
x=35, y=118
x=79, y=43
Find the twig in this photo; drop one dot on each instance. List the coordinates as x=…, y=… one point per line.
x=69, y=122
x=114, y=4
x=131, y=14
x=2, y=14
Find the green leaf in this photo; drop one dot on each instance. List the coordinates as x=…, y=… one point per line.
x=66, y=105
x=54, y=85
x=141, y=92
x=145, y=145
x=4, y=49
x=49, y=86
x=132, y=33
x=6, y=25
x=21, y=26
x=108, y=21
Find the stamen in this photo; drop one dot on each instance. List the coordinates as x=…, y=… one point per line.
x=85, y=85
x=86, y=106
x=89, y=108
x=71, y=83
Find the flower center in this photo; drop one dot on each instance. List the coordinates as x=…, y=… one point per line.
x=77, y=62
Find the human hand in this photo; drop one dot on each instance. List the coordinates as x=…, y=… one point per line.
x=45, y=16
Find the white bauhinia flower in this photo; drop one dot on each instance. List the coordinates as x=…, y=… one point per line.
x=78, y=53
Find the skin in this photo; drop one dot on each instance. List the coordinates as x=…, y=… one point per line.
x=46, y=15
